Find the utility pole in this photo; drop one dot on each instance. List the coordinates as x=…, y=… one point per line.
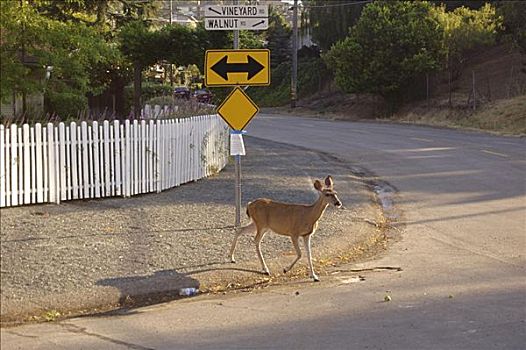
x=294, y=73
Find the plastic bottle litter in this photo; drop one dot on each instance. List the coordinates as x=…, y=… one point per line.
x=187, y=292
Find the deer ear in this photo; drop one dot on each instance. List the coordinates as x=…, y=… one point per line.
x=318, y=185
x=328, y=181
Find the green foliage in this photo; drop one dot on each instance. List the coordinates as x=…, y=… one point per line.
x=312, y=74
x=391, y=44
x=330, y=21
x=514, y=14
x=278, y=39
x=70, y=10
x=278, y=93
x=70, y=48
x=66, y=105
x=249, y=39
x=463, y=30
x=138, y=43
x=178, y=44
x=210, y=39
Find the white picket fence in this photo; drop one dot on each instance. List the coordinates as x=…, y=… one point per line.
x=43, y=164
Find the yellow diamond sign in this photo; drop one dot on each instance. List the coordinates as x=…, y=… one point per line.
x=237, y=109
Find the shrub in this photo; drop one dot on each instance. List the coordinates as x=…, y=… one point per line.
x=390, y=45
x=66, y=105
x=312, y=75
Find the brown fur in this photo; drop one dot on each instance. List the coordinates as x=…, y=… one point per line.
x=293, y=220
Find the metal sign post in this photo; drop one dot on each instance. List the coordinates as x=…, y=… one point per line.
x=238, y=156
x=237, y=68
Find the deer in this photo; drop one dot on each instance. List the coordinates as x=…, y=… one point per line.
x=293, y=220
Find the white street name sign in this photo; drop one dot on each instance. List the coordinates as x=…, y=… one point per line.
x=236, y=11
x=236, y=17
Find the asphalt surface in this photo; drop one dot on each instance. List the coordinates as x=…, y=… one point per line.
x=462, y=285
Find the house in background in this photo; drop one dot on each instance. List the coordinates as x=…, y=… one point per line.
x=27, y=104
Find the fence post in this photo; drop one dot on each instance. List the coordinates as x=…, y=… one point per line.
x=450, y=102
x=3, y=148
x=74, y=162
x=85, y=162
x=117, y=137
x=135, y=176
x=14, y=167
x=40, y=174
x=8, y=166
x=128, y=162
x=142, y=157
x=45, y=166
x=51, y=163
x=474, y=91
x=106, y=161
x=27, y=164
x=151, y=154
x=427, y=90
x=96, y=158
x=157, y=165
x=57, y=166
x=20, y=167
x=62, y=143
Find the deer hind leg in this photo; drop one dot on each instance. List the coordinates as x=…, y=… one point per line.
x=298, y=253
x=306, y=240
x=259, y=236
x=250, y=228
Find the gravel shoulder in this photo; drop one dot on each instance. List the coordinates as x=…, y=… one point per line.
x=93, y=256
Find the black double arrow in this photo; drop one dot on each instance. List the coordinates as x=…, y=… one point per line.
x=252, y=67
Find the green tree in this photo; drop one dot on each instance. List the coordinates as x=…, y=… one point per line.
x=144, y=46
x=70, y=48
x=514, y=21
x=391, y=44
x=330, y=21
x=465, y=29
x=278, y=38
x=138, y=44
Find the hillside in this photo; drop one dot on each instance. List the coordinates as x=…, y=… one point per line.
x=500, y=97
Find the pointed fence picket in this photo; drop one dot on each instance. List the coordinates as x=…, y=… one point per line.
x=53, y=163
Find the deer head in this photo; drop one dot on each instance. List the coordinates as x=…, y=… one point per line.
x=327, y=193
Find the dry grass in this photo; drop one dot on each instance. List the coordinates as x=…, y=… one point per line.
x=504, y=116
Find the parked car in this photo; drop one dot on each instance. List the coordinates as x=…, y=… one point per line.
x=203, y=95
x=182, y=92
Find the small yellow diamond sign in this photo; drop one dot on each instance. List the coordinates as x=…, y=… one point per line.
x=237, y=109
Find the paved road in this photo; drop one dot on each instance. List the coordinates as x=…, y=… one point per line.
x=463, y=285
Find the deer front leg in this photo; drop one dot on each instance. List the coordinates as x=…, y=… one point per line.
x=246, y=229
x=298, y=253
x=306, y=240
x=259, y=237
